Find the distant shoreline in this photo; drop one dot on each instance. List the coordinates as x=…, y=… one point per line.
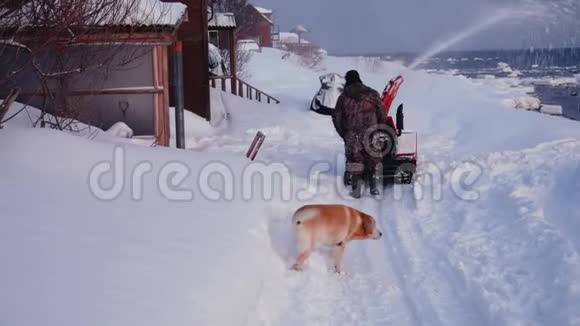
x=453, y=52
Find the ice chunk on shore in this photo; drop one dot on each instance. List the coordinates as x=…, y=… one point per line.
x=504, y=67
x=525, y=103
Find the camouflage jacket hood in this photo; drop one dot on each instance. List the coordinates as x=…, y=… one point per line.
x=359, y=91
x=358, y=109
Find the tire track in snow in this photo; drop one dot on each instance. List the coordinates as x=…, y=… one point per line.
x=384, y=260
x=400, y=265
x=434, y=288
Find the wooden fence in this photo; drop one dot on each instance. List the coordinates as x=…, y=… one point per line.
x=240, y=88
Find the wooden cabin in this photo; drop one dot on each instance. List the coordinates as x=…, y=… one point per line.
x=256, y=23
x=133, y=88
x=141, y=93
x=222, y=28
x=222, y=34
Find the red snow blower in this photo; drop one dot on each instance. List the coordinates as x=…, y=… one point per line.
x=397, y=147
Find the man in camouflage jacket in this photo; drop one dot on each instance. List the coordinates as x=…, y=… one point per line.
x=359, y=111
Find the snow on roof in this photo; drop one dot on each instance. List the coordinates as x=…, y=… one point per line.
x=156, y=13
x=223, y=20
x=289, y=37
x=134, y=13
x=299, y=29
x=263, y=11
x=266, y=13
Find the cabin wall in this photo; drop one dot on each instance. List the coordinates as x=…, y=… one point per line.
x=105, y=110
x=224, y=39
x=220, y=38
x=99, y=110
x=265, y=30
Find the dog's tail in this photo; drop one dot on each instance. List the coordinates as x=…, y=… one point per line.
x=302, y=215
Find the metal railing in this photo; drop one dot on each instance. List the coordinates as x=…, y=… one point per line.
x=240, y=88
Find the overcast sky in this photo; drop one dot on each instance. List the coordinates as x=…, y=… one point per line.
x=373, y=26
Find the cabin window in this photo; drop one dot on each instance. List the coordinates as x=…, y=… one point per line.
x=214, y=38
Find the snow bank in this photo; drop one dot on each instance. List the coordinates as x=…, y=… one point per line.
x=120, y=129
x=196, y=128
x=71, y=259
x=510, y=252
x=550, y=81
x=24, y=116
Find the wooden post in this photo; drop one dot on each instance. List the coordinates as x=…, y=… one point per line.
x=194, y=34
x=160, y=100
x=165, y=74
x=234, y=86
x=223, y=83
x=233, y=57
x=179, y=114
x=241, y=88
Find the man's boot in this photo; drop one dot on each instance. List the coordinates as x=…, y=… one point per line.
x=375, y=185
x=356, y=186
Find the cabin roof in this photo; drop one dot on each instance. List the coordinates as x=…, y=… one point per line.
x=291, y=38
x=222, y=20
x=265, y=13
x=142, y=14
x=263, y=10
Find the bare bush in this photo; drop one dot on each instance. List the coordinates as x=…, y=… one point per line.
x=311, y=59
x=308, y=55
x=243, y=58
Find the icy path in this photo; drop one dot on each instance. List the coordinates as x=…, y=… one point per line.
x=441, y=262
x=503, y=258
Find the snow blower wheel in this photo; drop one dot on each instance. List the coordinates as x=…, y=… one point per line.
x=383, y=142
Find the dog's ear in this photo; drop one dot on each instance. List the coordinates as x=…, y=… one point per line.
x=367, y=224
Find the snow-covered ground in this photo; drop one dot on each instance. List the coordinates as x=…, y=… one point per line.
x=487, y=236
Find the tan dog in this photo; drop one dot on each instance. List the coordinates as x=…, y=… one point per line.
x=330, y=225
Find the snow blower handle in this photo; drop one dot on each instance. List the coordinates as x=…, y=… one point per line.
x=391, y=91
